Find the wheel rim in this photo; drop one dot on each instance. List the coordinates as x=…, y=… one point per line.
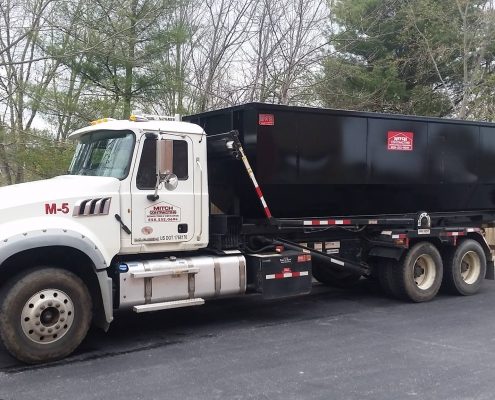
x=425, y=272
x=470, y=267
x=47, y=316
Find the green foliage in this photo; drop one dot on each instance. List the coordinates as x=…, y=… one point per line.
x=127, y=40
x=45, y=157
x=401, y=56
x=123, y=57
x=37, y=153
x=349, y=84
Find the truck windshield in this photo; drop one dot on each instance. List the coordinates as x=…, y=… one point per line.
x=103, y=153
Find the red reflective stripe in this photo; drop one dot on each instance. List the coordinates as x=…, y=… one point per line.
x=339, y=222
x=329, y=222
x=456, y=233
x=304, y=258
x=267, y=212
x=297, y=274
x=260, y=195
x=283, y=275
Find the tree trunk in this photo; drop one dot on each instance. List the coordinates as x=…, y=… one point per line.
x=131, y=49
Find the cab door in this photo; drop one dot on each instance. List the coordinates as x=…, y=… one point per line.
x=169, y=218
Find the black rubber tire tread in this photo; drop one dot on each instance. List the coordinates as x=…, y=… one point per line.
x=452, y=280
x=403, y=274
x=386, y=277
x=328, y=277
x=13, y=297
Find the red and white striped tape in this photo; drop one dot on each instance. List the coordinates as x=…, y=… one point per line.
x=456, y=233
x=255, y=183
x=284, y=275
x=328, y=222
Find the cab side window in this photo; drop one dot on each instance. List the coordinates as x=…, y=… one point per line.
x=180, y=164
x=146, y=175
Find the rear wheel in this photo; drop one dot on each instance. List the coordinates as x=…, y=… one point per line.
x=330, y=277
x=44, y=314
x=386, y=277
x=418, y=275
x=465, y=268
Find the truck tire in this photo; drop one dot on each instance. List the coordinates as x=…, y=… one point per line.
x=386, y=277
x=418, y=276
x=329, y=277
x=465, y=268
x=45, y=314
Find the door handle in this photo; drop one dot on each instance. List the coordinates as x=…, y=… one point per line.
x=200, y=199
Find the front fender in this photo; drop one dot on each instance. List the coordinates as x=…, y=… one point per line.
x=102, y=233
x=52, y=237
x=67, y=238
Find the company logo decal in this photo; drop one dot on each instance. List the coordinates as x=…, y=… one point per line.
x=162, y=212
x=400, y=141
x=266, y=119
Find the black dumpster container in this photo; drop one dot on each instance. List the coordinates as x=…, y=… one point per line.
x=319, y=162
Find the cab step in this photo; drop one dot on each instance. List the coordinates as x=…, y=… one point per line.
x=168, y=305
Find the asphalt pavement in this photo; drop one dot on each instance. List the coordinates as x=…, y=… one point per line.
x=332, y=344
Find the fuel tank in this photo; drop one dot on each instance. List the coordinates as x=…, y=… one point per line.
x=313, y=162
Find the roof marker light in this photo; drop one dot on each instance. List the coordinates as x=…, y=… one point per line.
x=138, y=118
x=101, y=120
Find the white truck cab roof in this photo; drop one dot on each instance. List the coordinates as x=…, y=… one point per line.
x=159, y=125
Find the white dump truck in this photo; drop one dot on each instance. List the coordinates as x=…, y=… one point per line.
x=144, y=220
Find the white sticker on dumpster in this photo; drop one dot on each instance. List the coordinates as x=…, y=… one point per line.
x=332, y=247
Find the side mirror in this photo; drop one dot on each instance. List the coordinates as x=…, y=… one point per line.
x=164, y=167
x=171, y=181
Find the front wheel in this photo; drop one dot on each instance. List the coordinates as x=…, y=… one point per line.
x=44, y=314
